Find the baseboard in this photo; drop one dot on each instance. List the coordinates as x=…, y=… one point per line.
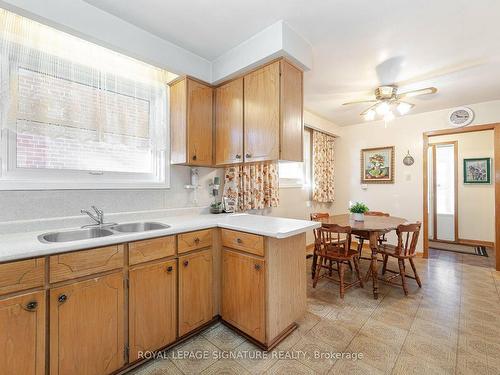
x=464, y=241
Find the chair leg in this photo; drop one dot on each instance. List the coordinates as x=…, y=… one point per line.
x=338, y=268
x=384, y=267
x=417, y=278
x=331, y=268
x=350, y=265
x=318, y=270
x=403, y=277
x=314, y=263
x=356, y=266
x=341, y=276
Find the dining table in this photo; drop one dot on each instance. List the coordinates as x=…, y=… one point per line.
x=372, y=227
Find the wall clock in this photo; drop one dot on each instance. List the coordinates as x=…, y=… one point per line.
x=461, y=116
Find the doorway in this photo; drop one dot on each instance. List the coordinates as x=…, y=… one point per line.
x=468, y=226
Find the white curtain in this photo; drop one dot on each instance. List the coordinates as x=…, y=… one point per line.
x=60, y=86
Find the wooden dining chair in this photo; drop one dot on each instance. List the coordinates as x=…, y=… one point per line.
x=315, y=216
x=335, y=246
x=361, y=238
x=404, y=250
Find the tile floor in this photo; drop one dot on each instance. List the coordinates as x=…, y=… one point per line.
x=450, y=326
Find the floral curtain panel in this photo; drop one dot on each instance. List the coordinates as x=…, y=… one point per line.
x=323, y=172
x=254, y=186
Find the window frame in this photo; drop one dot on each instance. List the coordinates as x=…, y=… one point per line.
x=14, y=178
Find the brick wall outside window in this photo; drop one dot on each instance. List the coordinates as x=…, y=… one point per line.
x=67, y=125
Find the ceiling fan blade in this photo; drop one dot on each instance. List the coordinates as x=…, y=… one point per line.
x=361, y=101
x=413, y=93
x=368, y=109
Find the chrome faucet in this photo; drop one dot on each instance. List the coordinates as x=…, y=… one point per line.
x=98, y=217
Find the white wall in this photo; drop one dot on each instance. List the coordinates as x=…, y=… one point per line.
x=476, y=202
x=404, y=197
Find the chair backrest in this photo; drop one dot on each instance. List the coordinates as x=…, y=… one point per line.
x=335, y=238
x=407, y=238
x=376, y=213
x=316, y=216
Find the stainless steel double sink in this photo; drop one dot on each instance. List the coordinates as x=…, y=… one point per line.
x=100, y=231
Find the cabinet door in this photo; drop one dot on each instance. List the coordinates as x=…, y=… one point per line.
x=87, y=327
x=199, y=120
x=291, y=130
x=262, y=113
x=229, y=123
x=22, y=334
x=178, y=122
x=195, y=291
x=243, y=293
x=152, y=307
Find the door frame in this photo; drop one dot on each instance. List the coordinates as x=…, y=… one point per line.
x=496, y=135
x=455, y=187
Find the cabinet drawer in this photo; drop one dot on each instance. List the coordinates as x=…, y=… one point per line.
x=143, y=251
x=82, y=263
x=21, y=275
x=251, y=243
x=194, y=240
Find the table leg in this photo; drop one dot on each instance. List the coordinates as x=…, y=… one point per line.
x=374, y=266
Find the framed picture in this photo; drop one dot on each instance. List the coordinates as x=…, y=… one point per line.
x=377, y=165
x=477, y=171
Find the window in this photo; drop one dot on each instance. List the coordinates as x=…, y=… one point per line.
x=298, y=174
x=77, y=115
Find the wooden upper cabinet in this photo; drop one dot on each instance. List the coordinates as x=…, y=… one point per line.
x=195, y=290
x=152, y=307
x=292, y=128
x=22, y=334
x=191, y=107
x=87, y=326
x=273, y=113
x=229, y=123
x=262, y=113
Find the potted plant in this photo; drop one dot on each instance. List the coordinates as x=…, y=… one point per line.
x=358, y=210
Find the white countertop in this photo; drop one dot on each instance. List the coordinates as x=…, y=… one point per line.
x=15, y=246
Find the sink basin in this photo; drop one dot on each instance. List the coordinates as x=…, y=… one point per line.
x=74, y=235
x=139, y=227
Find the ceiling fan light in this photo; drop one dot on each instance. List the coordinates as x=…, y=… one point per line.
x=403, y=108
x=383, y=108
x=389, y=116
x=369, y=115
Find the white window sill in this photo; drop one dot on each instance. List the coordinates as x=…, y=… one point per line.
x=31, y=185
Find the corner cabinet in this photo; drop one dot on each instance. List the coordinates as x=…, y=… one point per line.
x=191, y=107
x=269, y=124
x=87, y=326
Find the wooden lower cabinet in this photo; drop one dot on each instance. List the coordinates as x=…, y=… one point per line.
x=195, y=290
x=22, y=334
x=87, y=326
x=243, y=293
x=152, y=307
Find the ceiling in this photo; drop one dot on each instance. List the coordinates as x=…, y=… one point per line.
x=450, y=44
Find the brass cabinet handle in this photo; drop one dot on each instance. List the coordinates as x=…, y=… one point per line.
x=186, y=262
x=62, y=298
x=247, y=155
x=257, y=267
x=32, y=305
x=194, y=157
x=238, y=156
x=239, y=240
x=170, y=269
x=196, y=240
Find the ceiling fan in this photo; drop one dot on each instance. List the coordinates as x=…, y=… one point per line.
x=387, y=99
